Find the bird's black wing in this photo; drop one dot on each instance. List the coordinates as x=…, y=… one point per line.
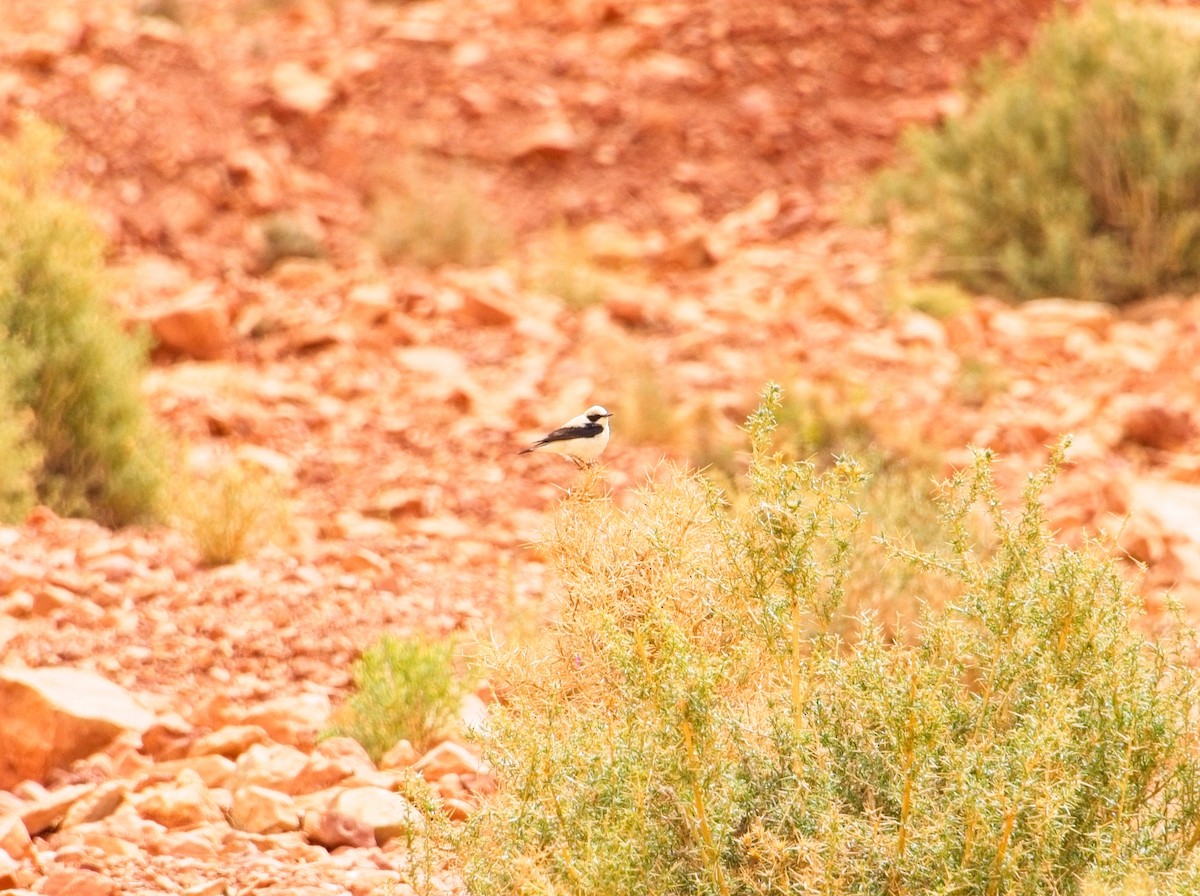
x=571, y=432
x=587, y=431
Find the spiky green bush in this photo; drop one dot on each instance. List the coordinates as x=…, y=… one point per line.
x=403, y=689
x=697, y=724
x=71, y=370
x=1074, y=173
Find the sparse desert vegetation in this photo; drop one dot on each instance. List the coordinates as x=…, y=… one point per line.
x=887, y=634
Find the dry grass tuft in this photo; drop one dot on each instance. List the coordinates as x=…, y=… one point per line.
x=433, y=214
x=230, y=511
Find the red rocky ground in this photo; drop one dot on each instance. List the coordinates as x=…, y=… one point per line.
x=720, y=140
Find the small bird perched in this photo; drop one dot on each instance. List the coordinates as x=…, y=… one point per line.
x=581, y=438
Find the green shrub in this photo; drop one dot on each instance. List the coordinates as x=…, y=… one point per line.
x=1074, y=173
x=403, y=690
x=66, y=355
x=698, y=725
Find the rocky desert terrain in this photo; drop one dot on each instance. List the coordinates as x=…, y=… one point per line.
x=708, y=151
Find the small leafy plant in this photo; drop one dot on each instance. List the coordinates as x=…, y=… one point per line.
x=698, y=723
x=403, y=690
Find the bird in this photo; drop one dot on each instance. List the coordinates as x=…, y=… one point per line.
x=581, y=438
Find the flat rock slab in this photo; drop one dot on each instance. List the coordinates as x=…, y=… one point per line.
x=54, y=716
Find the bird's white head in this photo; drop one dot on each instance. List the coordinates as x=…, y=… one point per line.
x=596, y=413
